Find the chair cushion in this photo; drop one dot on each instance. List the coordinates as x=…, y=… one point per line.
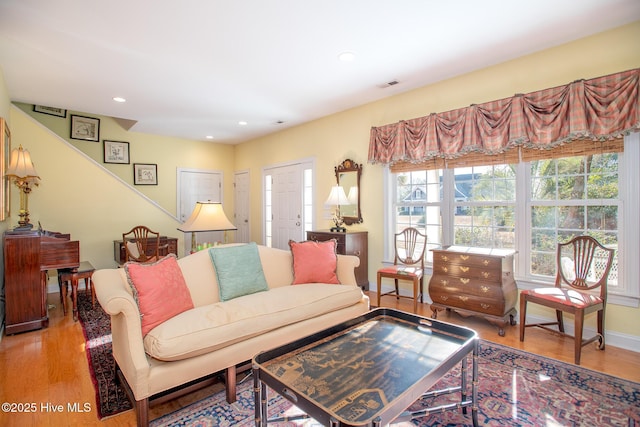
x=159, y=290
x=568, y=297
x=314, y=262
x=402, y=270
x=239, y=270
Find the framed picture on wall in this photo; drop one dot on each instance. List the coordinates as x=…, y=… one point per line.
x=5, y=153
x=145, y=174
x=85, y=128
x=116, y=152
x=52, y=111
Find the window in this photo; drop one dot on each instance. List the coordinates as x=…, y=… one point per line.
x=529, y=207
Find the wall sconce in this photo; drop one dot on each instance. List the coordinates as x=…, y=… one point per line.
x=206, y=216
x=336, y=198
x=24, y=175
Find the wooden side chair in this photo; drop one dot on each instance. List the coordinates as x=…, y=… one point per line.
x=583, y=267
x=141, y=244
x=408, y=264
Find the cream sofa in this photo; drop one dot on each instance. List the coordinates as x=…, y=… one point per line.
x=237, y=329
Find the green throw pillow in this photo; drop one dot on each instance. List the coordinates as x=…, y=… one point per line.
x=239, y=270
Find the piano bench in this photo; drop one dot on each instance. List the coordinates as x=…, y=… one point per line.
x=73, y=275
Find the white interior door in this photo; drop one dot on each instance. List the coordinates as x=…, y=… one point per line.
x=241, y=215
x=198, y=186
x=286, y=205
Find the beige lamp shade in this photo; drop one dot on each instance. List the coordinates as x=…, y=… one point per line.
x=21, y=166
x=207, y=216
x=337, y=197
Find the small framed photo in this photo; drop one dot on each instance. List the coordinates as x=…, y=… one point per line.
x=116, y=152
x=59, y=112
x=145, y=174
x=85, y=128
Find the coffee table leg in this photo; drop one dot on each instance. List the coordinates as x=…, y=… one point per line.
x=259, y=396
x=474, y=385
x=463, y=384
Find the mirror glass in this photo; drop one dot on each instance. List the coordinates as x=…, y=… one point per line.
x=348, y=177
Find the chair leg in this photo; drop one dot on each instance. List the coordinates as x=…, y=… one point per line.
x=579, y=323
x=523, y=315
x=397, y=291
x=379, y=289
x=421, y=290
x=415, y=295
x=601, y=328
x=560, y=320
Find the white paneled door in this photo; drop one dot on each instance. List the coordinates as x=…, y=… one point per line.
x=286, y=205
x=241, y=204
x=198, y=186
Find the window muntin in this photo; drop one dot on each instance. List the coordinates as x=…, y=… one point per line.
x=568, y=197
x=564, y=197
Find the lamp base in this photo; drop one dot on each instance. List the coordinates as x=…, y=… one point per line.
x=338, y=229
x=23, y=227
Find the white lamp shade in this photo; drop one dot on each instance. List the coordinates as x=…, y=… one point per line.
x=337, y=197
x=207, y=216
x=353, y=195
x=21, y=165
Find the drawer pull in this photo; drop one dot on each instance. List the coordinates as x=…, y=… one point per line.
x=464, y=257
x=444, y=258
x=444, y=297
x=445, y=283
x=485, y=306
x=445, y=269
x=463, y=298
x=486, y=274
x=465, y=281
x=486, y=262
x=357, y=253
x=464, y=269
x=484, y=289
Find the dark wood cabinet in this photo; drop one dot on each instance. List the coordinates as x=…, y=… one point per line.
x=474, y=281
x=119, y=252
x=349, y=243
x=27, y=257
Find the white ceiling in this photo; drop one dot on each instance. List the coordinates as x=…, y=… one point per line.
x=198, y=67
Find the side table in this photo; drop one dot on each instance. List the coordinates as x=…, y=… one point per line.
x=73, y=275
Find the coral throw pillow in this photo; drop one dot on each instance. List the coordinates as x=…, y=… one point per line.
x=159, y=289
x=314, y=262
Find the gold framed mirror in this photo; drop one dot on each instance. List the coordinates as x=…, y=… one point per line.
x=348, y=177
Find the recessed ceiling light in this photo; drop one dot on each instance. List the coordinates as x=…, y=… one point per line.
x=119, y=99
x=242, y=123
x=209, y=136
x=347, y=56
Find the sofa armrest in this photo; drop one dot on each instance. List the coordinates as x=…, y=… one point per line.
x=126, y=328
x=346, y=269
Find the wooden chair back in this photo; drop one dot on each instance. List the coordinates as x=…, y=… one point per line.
x=142, y=245
x=409, y=247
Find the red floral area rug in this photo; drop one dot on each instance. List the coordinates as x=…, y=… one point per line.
x=515, y=388
x=111, y=398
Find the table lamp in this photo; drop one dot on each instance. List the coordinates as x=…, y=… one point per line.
x=206, y=216
x=336, y=198
x=24, y=175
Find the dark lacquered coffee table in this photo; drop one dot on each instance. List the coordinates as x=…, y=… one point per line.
x=369, y=370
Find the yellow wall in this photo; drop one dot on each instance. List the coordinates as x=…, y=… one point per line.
x=79, y=197
x=346, y=135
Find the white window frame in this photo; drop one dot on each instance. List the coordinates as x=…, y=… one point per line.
x=627, y=293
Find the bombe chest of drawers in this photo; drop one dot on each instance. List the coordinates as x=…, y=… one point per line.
x=474, y=282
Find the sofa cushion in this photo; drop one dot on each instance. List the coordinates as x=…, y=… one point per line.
x=239, y=270
x=208, y=328
x=159, y=290
x=314, y=262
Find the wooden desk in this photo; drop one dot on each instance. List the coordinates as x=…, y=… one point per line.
x=120, y=256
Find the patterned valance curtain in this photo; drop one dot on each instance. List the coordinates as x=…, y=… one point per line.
x=599, y=109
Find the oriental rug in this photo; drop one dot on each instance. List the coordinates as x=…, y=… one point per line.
x=111, y=398
x=515, y=388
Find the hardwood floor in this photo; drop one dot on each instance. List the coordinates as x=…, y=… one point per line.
x=47, y=369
